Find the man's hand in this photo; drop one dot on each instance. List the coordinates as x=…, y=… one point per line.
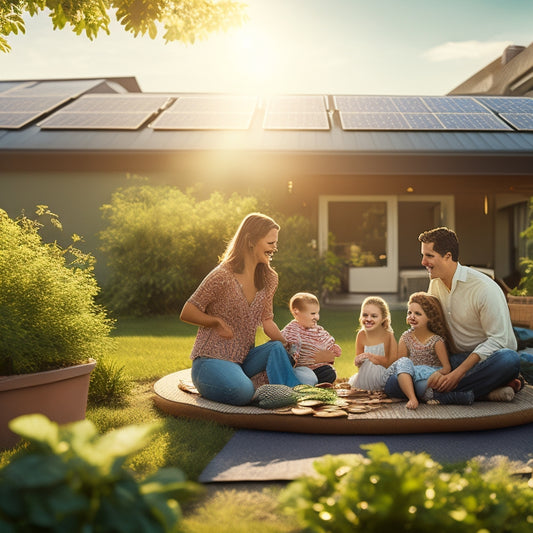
x=444, y=382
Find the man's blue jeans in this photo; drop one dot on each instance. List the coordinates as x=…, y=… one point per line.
x=228, y=382
x=495, y=371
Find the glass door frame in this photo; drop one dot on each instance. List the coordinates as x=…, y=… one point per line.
x=366, y=279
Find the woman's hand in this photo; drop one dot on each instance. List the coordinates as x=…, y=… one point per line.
x=223, y=329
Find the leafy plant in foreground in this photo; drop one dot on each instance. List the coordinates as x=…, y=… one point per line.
x=70, y=479
x=409, y=492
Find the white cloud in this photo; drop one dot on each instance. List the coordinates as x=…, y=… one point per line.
x=450, y=51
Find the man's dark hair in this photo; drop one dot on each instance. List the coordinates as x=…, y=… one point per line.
x=444, y=240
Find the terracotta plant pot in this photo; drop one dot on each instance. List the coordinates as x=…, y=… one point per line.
x=61, y=395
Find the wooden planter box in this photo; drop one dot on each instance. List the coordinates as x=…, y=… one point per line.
x=61, y=395
x=521, y=310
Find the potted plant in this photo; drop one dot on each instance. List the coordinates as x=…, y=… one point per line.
x=51, y=329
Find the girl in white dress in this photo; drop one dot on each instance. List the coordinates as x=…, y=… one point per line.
x=375, y=342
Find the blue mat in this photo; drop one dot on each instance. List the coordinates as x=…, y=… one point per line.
x=275, y=456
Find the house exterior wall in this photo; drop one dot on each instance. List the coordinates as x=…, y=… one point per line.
x=77, y=197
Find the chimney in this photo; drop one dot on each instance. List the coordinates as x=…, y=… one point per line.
x=510, y=52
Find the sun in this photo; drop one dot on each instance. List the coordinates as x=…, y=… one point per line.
x=254, y=60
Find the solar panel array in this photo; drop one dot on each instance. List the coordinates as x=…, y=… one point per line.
x=516, y=110
x=211, y=112
x=292, y=112
x=17, y=111
x=24, y=102
x=106, y=112
x=416, y=113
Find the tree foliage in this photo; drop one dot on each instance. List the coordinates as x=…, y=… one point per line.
x=177, y=20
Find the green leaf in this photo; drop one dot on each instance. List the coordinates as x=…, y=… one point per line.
x=32, y=471
x=36, y=428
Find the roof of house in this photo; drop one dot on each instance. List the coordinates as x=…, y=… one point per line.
x=45, y=121
x=508, y=75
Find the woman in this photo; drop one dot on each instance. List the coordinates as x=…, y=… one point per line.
x=228, y=306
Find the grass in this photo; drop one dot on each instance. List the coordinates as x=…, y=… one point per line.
x=149, y=348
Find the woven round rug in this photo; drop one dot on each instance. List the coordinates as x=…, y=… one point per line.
x=174, y=394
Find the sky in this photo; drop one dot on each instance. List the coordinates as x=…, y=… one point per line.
x=394, y=47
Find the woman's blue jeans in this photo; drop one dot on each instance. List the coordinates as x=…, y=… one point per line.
x=227, y=382
x=495, y=371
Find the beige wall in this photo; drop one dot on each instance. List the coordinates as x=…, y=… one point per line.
x=77, y=197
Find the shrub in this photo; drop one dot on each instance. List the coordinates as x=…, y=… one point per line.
x=161, y=242
x=298, y=263
x=70, y=479
x=48, y=315
x=408, y=492
x=109, y=385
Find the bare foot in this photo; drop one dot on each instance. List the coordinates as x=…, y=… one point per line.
x=412, y=404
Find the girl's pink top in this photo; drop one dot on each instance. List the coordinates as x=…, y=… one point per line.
x=422, y=353
x=221, y=295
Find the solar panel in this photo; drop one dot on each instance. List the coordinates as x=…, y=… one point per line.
x=521, y=121
x=410, y=104
x=365, y=104
x=453, y=104
x=472, y=122
x=114, y=112
x=8, y=86
x=15, y=120
x=94, y=121
x=373, y=121
x=416, y=113
x=202, y=121
x=296, y=112
x=10, y=104
x=209, y=112
x=71, y=88
x=214, y=104
x=17, y=111
x=513, y=104
x=296, y=121
x=115, y=103
x=423, y=121
x=296, y=104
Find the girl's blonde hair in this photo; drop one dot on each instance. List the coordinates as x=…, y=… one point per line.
x=383, y=306
x=436, y=319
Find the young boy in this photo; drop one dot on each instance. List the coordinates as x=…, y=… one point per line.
x=314, y=349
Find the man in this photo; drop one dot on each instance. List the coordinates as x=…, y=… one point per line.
x=478, y=317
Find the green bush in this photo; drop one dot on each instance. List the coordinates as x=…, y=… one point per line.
x=70, y=479
x=161, y=242
x=298, y=263
x=409, y=492
x=48, y=315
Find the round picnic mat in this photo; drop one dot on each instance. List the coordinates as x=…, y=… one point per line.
x=175, y=394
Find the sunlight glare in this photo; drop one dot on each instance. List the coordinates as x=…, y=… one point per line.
x=253, y=58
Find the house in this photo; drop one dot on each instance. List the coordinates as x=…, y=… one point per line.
x=373, y=171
